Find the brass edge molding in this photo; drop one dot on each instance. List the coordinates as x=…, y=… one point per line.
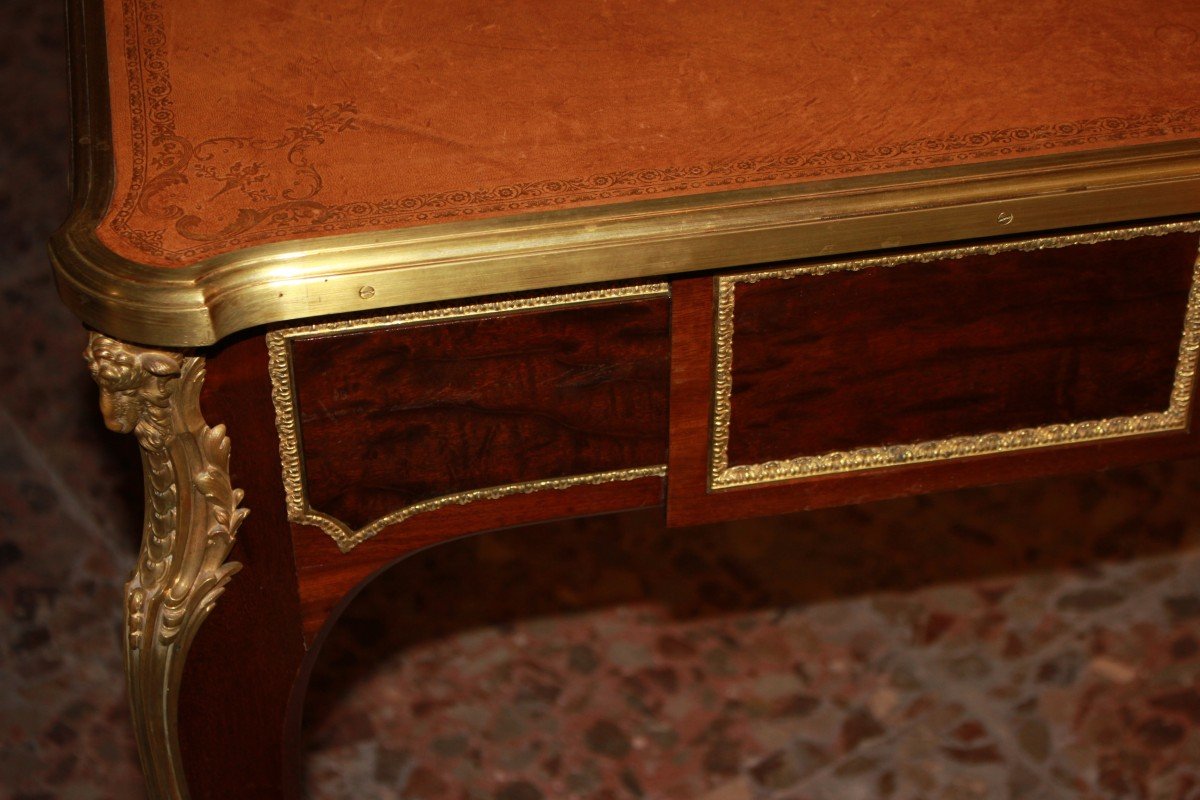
x=283, y=396
x=1174, y=418
x=280, y=283
x=359, y=272
x=191, y=520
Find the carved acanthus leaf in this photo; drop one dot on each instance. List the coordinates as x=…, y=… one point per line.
x=182, y=568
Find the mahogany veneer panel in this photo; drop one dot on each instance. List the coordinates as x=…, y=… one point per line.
x=390, y=417
x=830, y=362
x=987, y=343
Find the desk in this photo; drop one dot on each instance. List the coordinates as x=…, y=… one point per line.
x=364, y=278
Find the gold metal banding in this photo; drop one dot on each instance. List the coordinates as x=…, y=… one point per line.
x=283, y=395
x=723, y=476
x=202, y=303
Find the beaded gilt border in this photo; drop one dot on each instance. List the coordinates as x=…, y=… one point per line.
x=1175, y=417
x=291, y=453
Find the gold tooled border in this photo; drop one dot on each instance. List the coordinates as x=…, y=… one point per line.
x=155, y=139
x=292, y=456
x=1175, y=418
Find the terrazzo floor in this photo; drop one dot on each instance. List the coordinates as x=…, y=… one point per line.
x=1040, y=640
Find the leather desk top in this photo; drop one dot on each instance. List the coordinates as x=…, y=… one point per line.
x=242, y=122
x=245, y=162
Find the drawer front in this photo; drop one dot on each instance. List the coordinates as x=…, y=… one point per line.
x=838, y=381
x=386, y=418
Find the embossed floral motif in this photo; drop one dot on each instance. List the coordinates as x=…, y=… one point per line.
x=226, y=185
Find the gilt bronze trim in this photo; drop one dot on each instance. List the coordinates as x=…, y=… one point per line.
x=192, y=517
x=291, y=452
x=722, y=475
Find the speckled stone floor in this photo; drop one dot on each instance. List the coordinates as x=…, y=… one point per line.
x=1040, y=640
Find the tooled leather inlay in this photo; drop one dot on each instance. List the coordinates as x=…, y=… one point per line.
x=183, y=195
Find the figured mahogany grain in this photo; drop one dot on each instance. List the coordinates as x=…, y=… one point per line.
x=924, y=351
x=690, y=502
x=390, y=417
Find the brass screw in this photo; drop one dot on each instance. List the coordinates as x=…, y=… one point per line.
x=366, y=292
x=1004, y=217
